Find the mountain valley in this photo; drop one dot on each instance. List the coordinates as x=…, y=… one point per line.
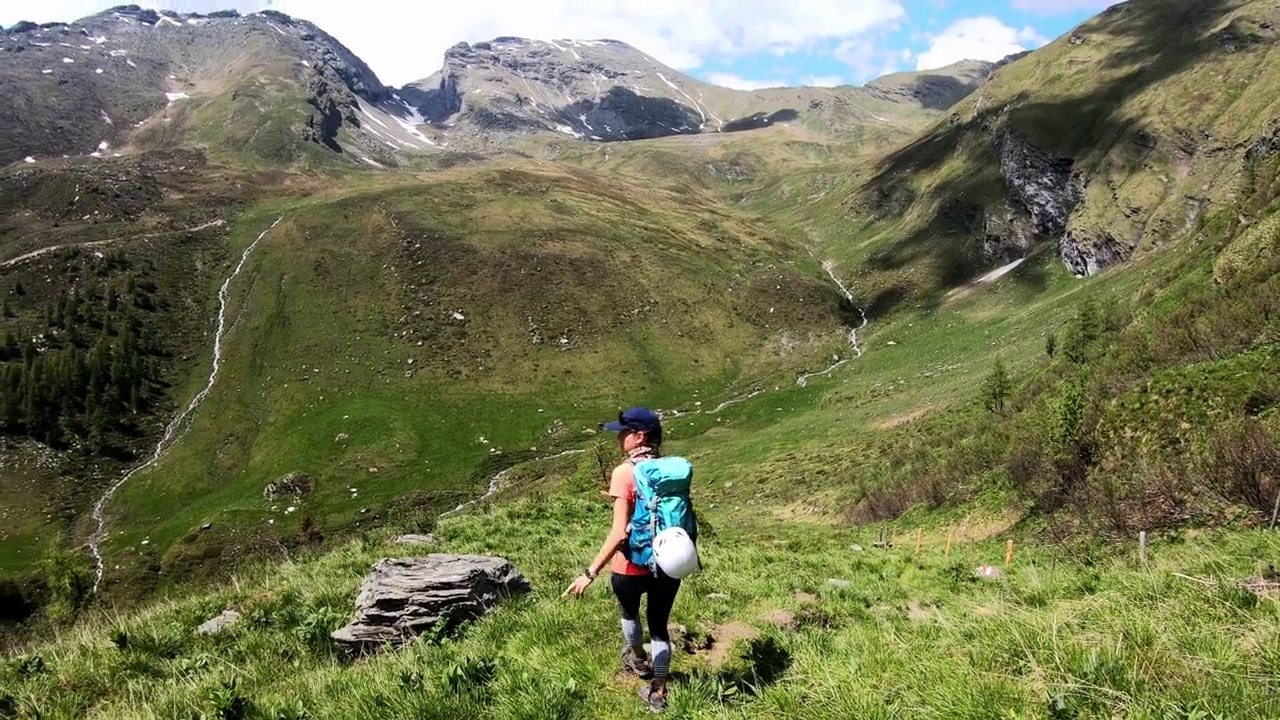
x=1037, y=298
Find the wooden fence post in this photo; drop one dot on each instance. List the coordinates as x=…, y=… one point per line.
x=1274, y=510
x=1008, y=552
x=1142, y=547
x=946, y=552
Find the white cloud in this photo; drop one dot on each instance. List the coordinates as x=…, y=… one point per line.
x=822, y=81
x=868, y=58
x=1061, y=7
x=740, y=83
x=977, y=38
x=403, y=42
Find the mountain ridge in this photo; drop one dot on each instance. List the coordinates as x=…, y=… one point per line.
x=141, y=79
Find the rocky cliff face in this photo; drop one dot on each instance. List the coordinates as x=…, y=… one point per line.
x=1043, y=185
x=1040, y=193
x=1007, y=234
x=606, y=90
x=596, y=90
x=1087, y=253
x=100, y=84
x=84, y=88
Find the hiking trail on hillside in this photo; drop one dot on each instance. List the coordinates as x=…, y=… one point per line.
x=99, y=243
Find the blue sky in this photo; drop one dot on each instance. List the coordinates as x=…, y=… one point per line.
x=928, y=34
x=740, y=43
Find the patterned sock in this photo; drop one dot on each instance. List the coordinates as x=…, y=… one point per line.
x=661, y=657
x=632, y=632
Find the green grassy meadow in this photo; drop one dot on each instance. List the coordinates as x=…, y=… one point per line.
x=1063, y=632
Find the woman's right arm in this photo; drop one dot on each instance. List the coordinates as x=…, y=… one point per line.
x=618, y=530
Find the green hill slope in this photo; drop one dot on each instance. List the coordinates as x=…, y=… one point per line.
x=397, y=346
x=1107, y=144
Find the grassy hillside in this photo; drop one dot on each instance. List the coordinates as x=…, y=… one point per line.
x=914, y=633
x=1163, y=110
x=786, y=621
x=398, y=346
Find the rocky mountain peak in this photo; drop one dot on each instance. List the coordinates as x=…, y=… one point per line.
x=99, y=84
x=92, y=85
x=607, y=90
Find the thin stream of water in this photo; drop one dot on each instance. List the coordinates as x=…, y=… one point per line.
x=171, y=432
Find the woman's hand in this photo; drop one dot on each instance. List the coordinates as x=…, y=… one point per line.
x=578, y=587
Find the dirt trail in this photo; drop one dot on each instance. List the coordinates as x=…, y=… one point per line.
x=98, y=243
x=171, y=432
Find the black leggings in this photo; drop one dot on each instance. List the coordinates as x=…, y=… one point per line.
x=662, y=595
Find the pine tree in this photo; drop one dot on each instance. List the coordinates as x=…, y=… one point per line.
x=99, y=425
x=996, y=388
x=11, y=404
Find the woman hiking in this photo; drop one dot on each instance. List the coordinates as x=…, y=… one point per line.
x=640, y=438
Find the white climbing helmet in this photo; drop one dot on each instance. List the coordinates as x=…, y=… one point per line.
x=675, y=552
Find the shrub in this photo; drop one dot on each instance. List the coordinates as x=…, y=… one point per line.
x=1244, y=463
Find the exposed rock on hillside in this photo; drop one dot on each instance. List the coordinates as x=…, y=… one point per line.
x=607, y=90
x=407, y=596
x=1128, y=131
x=1008, y=234
x=1087, y=253
x=1044, y=186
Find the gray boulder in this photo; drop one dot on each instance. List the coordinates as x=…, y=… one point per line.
x=412, y=539
x=404, y=597
x=213, y=626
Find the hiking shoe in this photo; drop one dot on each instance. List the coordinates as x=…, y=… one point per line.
x=634, y=664
x=656, y=701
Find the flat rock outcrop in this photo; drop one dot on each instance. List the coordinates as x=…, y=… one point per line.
x=404, y=597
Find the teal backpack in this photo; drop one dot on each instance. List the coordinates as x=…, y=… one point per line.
x=662, y=501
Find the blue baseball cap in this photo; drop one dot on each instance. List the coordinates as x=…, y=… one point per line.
x=636, y=418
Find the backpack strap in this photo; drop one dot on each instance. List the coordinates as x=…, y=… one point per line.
x=649, y=497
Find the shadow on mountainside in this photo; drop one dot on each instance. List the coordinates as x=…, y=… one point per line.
x=622, y=114
x=1153, y=41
